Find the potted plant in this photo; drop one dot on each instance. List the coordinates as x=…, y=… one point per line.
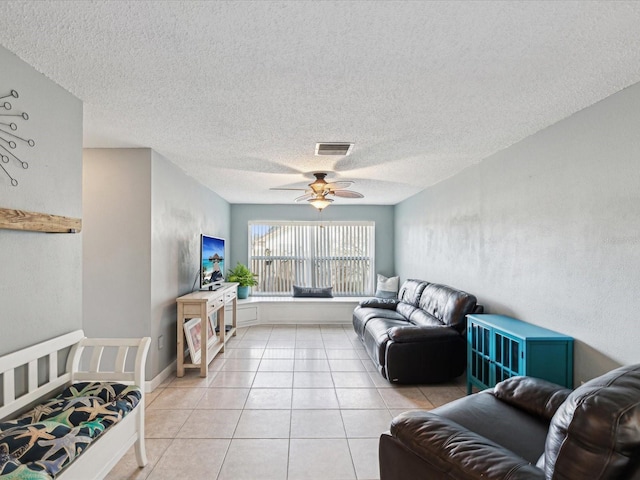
x=243, y=277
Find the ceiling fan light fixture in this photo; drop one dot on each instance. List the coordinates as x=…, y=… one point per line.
x=320, y=184
x=320, y=202
x=318, y=191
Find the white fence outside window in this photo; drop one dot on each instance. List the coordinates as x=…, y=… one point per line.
x=312, y=254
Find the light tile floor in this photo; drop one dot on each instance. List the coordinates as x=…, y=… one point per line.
x=282, y=403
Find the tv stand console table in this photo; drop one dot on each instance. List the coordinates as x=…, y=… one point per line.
x=202, y=305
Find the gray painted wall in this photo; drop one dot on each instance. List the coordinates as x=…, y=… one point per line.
x=241, y=214
x=181, y=209
x=41, y=288
x=547, y=230
x=144, y=217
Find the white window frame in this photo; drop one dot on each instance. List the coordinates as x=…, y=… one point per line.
x=310, y=257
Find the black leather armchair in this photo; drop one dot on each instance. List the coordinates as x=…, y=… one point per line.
x=525, y=428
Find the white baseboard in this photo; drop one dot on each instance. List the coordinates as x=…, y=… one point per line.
x=151, y=385
x=248, y=323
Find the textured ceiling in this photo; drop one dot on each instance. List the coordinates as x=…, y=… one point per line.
x=237, y=93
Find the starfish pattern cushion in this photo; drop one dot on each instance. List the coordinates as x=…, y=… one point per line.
x=43, y=441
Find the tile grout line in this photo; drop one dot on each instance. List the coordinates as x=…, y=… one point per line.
x=244, y=374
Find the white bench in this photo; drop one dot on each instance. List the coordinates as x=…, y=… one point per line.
x=85, y=362
x=257, y=310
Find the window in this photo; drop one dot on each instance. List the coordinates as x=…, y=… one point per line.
x=312, y=254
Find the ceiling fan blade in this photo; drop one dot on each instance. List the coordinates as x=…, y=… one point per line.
x=304, y=197
x=339, y=185
x=347, y=194
x=320, y=188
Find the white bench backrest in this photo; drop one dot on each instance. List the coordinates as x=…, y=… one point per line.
x=114, y=371
x=30, y=356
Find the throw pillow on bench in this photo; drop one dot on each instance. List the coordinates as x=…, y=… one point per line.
x=317, y=292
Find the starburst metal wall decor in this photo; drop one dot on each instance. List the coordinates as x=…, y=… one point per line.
x=9, y=138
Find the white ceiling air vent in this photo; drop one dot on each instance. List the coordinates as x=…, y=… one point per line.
x=333, y=148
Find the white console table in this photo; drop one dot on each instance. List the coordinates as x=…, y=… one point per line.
x=202, y=305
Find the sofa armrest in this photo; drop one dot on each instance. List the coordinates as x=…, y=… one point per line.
x=533, y=395
x=376, y=302
x=418, y=334
x=453, y=448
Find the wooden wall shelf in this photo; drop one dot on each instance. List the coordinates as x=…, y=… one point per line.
x=38, y=222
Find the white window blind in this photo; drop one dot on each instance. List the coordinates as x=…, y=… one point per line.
x=312, y=254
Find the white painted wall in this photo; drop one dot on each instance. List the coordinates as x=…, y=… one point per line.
x=382, y=215
x=41, y=283
x=547, y=231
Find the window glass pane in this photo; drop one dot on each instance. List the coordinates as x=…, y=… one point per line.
x=312, y=254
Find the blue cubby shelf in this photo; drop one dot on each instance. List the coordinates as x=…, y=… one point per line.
x=499, y=347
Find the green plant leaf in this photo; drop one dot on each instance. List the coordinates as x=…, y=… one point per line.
x=241, y=275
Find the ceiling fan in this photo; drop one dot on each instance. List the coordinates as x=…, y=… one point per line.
x=319, y=190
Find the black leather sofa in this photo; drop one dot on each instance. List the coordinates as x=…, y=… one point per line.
x=418, y=338
x=524, y=428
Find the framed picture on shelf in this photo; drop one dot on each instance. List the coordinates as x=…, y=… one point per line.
x=211, y=332
x=192, y=330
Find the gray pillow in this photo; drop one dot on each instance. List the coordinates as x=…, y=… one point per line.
x=317, y=292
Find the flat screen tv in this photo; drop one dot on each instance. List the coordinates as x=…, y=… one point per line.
x=212, y=267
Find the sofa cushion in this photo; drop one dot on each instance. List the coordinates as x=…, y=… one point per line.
x=410, y=292
x=454, y=451
x=405, y=309
x=448, y=305
x=387, y=287
x=376, y=337
x=362, y=315
x=420, y=318
x=499, y=422
x=534, y=395
x=595, y=433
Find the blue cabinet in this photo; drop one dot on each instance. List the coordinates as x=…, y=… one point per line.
x=499, y=347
